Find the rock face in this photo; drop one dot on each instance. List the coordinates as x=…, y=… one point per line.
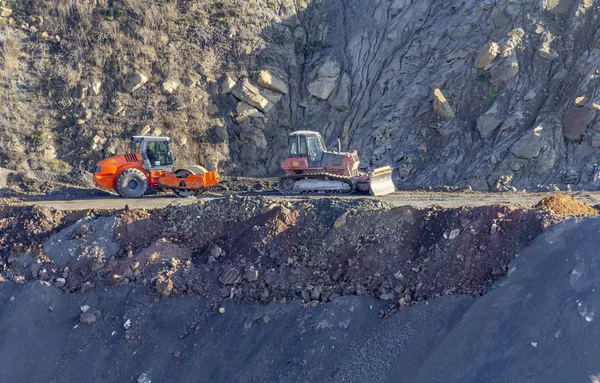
x=507, y=69
x=486, y=55
x=500, y=18
x=267, y=80
x=340, y=100
x=255, y=138
x=441, y=107
x=575, y=122
x=245, y=91
x=326, y=80
x=361, y=70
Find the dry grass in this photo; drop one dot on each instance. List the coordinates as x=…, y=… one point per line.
x=10, y=49
x=179, y=39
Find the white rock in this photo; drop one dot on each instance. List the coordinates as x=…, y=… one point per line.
x=145, y=130
x=169, y=86
x=96, y=87
x=245, y=91
x=441, y=107
x=5, y=12
x=486, y=55
x=243, y=108
x=135, y=81
x=227, y=85
x=268, y=80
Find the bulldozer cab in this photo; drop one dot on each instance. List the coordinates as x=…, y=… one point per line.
x=307, y=144
x=156, y=152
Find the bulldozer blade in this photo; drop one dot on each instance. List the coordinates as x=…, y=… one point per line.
x=380, y=181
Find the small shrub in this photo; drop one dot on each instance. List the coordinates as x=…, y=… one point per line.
x=493, y=95
x=39, y=138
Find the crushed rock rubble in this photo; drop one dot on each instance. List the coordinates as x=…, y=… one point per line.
x=257, y=250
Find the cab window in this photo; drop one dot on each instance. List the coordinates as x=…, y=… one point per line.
x=303, y=146
x=315, y=150
x=158, y=153
x=294, y=146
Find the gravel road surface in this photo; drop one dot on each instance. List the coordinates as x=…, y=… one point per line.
x=412, y=198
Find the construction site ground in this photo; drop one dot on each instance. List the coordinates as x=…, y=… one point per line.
x=244, y=285
x=400, y=198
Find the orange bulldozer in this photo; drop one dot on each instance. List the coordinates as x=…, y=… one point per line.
x=151, y=166
x=312, y=169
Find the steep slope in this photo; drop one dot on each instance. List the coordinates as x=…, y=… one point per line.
x=538, y=325
x=483, y=93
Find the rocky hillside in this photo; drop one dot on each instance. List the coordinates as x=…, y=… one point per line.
x=492, y=94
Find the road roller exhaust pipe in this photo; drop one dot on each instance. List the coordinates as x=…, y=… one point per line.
x=380, y=181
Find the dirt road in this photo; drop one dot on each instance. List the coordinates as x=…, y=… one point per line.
x=411, y=198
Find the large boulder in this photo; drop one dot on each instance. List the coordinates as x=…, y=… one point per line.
x=254, y=137
x=245, y=91
x=135, y=81
x=244, y=109
x=274, y=97
x=575, y=121
x=441, y=107
x=486, y=55
x=487, y=125
x=228, y=85
x=548, y=53
x=507, y=69
x=325, y=81
x=268, y=80
x=528, y=147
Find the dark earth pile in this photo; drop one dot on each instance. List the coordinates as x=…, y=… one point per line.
x=537, y=325
x=258, y=250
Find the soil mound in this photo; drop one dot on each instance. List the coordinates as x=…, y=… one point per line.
x=253, y=250
x=563, y=204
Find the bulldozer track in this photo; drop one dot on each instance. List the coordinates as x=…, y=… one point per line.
x=320, y=175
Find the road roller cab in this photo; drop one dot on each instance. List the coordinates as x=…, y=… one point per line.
x=151, y=165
